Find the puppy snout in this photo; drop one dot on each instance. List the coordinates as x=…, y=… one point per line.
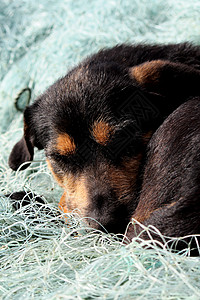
x=99, y=199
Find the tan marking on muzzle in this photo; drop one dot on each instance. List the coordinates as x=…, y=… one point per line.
x=56, y=176
x=123, y=179
x=75, y=191
x=62, y=204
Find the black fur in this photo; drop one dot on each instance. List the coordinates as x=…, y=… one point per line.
x=170, y=196
x=103, y=87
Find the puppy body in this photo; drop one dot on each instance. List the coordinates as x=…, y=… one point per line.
x=94, y=125
x=170, y=195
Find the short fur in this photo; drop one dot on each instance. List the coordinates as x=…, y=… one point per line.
x=128, y=89
x=170, y=195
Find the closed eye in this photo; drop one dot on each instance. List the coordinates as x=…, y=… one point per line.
x=125, y=142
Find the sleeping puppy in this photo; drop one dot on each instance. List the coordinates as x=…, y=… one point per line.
x=170, y=194
x=94, y=125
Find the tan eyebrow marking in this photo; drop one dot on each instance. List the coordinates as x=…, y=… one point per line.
x=102, y=132
x=148, y=72
x=65, y=144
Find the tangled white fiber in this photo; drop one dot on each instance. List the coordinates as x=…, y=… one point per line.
x=43, y=256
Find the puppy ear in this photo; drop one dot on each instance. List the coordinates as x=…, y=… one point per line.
x=167, y=78
x=23, y=151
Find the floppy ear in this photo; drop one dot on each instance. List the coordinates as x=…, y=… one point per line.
x=23, y=151
x=167, y=78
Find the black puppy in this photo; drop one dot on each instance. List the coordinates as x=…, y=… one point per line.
x=94, y=125
x=170, y=196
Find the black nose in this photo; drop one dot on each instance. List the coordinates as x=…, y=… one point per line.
x=99, y=213
x=107, y=214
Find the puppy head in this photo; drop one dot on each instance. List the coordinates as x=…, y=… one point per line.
x=93, y=132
